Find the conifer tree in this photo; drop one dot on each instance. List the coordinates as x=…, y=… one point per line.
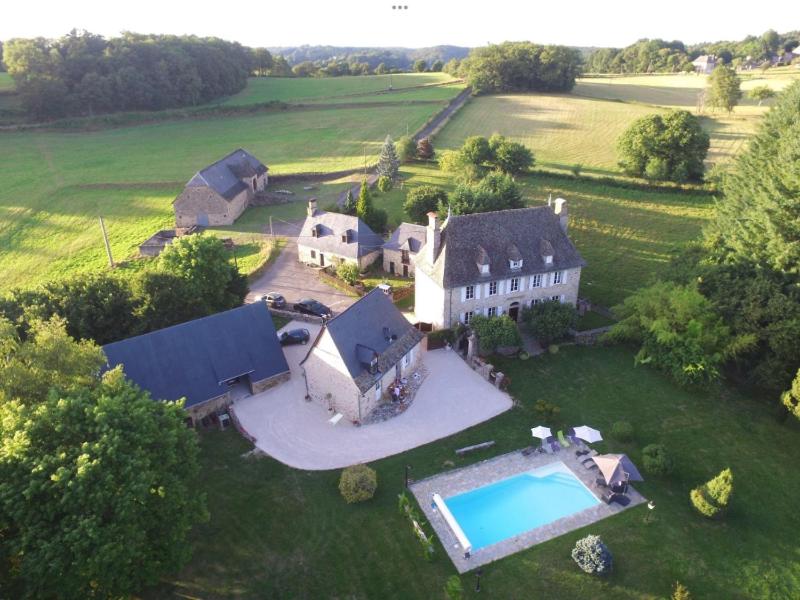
x=349, y=203
x=388, y=163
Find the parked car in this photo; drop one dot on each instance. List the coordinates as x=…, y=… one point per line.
x=294, y=336
x=309, y=306
x=274, y=300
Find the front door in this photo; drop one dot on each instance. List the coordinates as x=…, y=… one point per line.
x=513, y=311
x=391, y=267
x=405, y=270
x=321, y=259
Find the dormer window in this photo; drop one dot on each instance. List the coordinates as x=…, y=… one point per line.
x=346, y=237
x=484, y=269
x=548, y=259
x=315, y=231
x=515, y=265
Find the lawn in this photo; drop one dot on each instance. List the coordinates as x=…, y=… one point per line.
x=6, y=83
x=334, y=550
x=56, y=184
x=304, y=89
x=582, y=127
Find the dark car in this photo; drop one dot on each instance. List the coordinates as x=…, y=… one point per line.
x=294, y=336
x=274, y=300
x=313, y=307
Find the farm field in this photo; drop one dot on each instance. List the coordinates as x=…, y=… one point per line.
x=56, y=184
x=335, y=550
x=582, y=127
x=304, y=89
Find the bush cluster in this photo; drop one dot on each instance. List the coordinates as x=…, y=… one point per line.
x=712, y=498
x=656, y=459
x=358, y=483
x=494, y=332
x=347, y=272
x=622, y=431
x=592, y=555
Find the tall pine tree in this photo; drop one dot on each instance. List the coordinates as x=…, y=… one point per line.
x=364, y=206
x=349, y=203
x=388, y=163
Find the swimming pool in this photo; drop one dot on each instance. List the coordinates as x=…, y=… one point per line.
x=512, y=506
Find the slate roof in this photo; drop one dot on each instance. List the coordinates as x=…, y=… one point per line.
x=195, y=359
x=331, y=226
x=225, y=176
x=408, y=236
x=497, y=237
x=372, y=327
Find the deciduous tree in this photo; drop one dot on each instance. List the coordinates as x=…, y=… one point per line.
x=724, y=88
x=422, y=200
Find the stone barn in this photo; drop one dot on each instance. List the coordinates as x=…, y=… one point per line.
x=209, y=361
x=221, y=192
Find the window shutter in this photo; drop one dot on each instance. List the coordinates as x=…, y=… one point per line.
x=478, y=292
x=564, y=276
x=463, y=294
x=500, y=287
x=461, y=317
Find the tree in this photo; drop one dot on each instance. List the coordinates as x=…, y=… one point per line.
x=48, y=357
x=724, y=88
x=349, y=206
x=375, y=218
x=679, y=331
x=495, y=332
x=454, y=161
x=521, y=67
x=305, y=69
x=770, y=41
x=681, y=592
x=204, y=261
x=550, y=321
x=420, y=66
x=494, y=192
x=358, y=483
x=406, y=149
x=262, y=61
x=712, y=498
x=592, y=555
x=512, y=157
x=384, y=184
x=164, y=299
x=109, y=480
x=425, y=149
x=388, y=163
x=422, y=200
x=437, y=66
x=761, y=93
x=381, y=69
x=671, y=147
x=791, y=397
x=476, y=150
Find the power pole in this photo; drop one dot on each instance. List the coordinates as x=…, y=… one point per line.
x=108, y=246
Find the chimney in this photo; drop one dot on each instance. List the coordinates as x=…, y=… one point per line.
x=312, y=207
x=433, y=238
x=560, y=209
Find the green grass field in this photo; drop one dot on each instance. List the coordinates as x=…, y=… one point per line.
x=6, y=83
x=582, y=127
x=49, y=218
x=287, y=89
x=335, y=550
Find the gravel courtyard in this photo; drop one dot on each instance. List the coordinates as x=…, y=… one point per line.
x=297, y=433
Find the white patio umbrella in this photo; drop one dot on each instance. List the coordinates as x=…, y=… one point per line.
x=587, y=434
x=541, y=432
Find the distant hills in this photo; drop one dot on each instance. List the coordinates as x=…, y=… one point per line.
x=393, y=58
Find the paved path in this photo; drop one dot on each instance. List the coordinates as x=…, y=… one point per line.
x=457, y=103
x=296, y=281
x=356, y=189
x=297, y=433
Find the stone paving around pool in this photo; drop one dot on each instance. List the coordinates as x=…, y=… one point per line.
x=455, y=482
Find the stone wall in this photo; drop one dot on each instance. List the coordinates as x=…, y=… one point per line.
x=256, y=387
x=198, y=411
x=194, y=202
x=396, y=256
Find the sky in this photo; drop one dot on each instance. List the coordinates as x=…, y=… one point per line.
x=424, y=23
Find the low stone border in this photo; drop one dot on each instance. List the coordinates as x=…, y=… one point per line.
x=483, y=473
x=387, y=410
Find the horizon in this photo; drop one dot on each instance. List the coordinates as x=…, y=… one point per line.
x=370, y=24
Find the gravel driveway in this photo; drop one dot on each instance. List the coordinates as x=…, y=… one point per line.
x=296, y=432
x=296, y=281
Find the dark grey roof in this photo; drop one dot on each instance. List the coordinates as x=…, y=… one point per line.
x=225, y=176
x=408, y=236
x=372, y=327
x=466, y=237
x=195, y=359
x=330, y=227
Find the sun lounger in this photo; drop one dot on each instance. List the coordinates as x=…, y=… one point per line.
x=564, y=443
x=581, y=452
x=589, y=463
x=528, y=451
x=620, y=499
x=335, y=418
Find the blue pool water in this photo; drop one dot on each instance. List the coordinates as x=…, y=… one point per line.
x=518, y=504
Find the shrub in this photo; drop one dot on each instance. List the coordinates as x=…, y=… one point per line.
x=453, y=589
x=425, y=149
x=553, y=348
x=406, y=149
x=440, y=337
x=358, y=483
x=422, y=200
x=592, y=555
x=384, y=183
x=550, y=321
x=546, y=410
x=681, y=592
x=347, y=272
x=512, y=158
x=622, y=431
x=493, y=332
x=656, y=459
x=711, y=499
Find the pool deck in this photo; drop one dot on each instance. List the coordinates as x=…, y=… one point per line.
x=494, y=469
